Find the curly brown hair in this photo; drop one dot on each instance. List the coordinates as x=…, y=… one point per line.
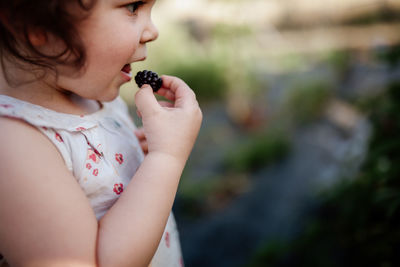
x=56, y=17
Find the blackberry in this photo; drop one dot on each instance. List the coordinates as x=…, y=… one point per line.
x=148, y=77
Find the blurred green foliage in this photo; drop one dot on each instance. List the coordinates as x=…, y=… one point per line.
x=192, y=196
x=357, y=223
x=389, y=54
x=197, y=198
x=271, y=252
x=307, y=101
x=204, y=195
x=205, y=76
x=229, y=31
x=340, y=61
x=258, y=151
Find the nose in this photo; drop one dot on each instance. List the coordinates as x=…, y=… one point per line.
x=150, y=33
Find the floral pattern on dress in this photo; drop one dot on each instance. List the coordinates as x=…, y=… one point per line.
x=59, y=138
x=93, y=156
x=6, y=106
x=167, y=240
x=103, y=160
x=119, y=158
x=118, y=188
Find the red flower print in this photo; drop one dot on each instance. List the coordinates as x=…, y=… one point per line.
x=91, y=155
x=119, y=158
x=95, y=172
x=118, y=188
x=167, y=239
x=88, y=166
x=6, y=106
x=59, y=138
x=80, y=128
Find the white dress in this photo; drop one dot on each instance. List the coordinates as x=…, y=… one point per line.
x=102, y=152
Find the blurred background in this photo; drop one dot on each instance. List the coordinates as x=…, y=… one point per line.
x=297, y=160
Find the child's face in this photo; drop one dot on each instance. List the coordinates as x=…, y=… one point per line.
x=115, y=34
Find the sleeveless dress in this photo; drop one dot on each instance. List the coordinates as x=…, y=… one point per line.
x=102, y=152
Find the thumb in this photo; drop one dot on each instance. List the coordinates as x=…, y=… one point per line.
x=145, y=100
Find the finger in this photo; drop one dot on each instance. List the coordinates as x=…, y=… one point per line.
x=144, y=147
x=138, y=113
x=172, y=83
x=140, y=134
x=166, y=104
x=145, y=100
x=168, y=94
x=184, y=96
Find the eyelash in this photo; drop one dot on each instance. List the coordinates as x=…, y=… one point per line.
x=133, y=7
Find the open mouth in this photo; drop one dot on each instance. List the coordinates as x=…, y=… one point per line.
x=126, y=72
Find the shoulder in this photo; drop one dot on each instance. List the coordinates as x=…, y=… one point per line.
x=24, y=148
x=17, y=134
x=38, y=193
x=11, y=123
x=14, y=130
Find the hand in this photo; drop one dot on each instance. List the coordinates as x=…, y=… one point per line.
x=142, y=140
x=169, y=127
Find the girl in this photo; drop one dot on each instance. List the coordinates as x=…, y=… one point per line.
x=75, y=188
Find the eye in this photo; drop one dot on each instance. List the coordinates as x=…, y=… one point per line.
x=133, y=7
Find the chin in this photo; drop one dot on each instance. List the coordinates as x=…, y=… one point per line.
x=106, y=96
x=110, y=97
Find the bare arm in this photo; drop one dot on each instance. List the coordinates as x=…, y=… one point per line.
x=45, y=218
x=134, y=225
x=40, y=202
x=170, y=131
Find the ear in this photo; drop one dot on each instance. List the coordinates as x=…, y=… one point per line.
x=37, y=37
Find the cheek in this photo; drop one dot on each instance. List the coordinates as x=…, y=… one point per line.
x=115, y=51
x=120, y=37
x=106, y=43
